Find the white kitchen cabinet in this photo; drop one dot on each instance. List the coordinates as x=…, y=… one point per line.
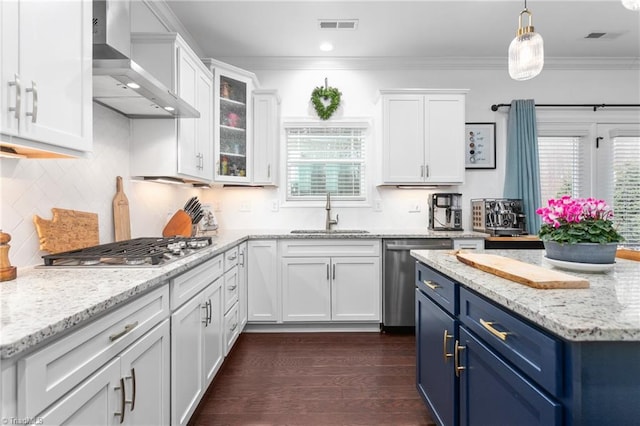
x=266, y=137
x=183, y=147
x=468, y=243
x=423, y=136
x=325, y=280
x=196, y=350
x=46, y=70
x=263, y=287
x=243, y=252
x=231, y=322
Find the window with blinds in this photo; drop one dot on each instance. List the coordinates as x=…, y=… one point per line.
x=562, y=165
x=323, y=160
x=626, y=186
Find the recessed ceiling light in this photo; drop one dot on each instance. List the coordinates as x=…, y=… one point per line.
x=326, y=47
x=133, y=85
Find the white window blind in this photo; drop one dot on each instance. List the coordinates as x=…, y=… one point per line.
x=323, y=160
x=626, y=187
x=562, y=165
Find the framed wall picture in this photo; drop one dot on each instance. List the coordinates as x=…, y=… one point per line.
x=480, y=145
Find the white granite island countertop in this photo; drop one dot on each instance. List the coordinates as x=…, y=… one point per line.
x=609, y=310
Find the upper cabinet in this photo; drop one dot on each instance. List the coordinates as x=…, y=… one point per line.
x=423, y=136
x=180, y=148
x=46, y=54
x=266, y=137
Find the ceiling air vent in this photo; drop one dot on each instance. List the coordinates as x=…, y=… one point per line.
x=603, y=36
x=338, y=24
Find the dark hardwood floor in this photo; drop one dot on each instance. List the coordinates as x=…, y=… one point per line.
x=316, y=379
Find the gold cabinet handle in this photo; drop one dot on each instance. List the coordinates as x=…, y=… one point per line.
x=127, y=329
x=446, y=337
x=430, y=284
x=122, y=400
x=456, y=361
x=502, y=335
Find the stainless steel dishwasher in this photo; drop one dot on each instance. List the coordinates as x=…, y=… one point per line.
x=399, y=283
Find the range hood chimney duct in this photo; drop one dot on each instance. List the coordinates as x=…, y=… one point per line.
x=118, y=82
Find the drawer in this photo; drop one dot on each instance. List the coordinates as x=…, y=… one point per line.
x=230, y=258
x=328, y=248
x=49, y=373
x=231, y=328
x=528, y=348
x=230, y=295
x=440, y=288
x=187, y=285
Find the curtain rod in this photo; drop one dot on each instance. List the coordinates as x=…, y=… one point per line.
x=595, y=107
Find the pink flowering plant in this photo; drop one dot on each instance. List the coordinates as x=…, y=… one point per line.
x=577, y=220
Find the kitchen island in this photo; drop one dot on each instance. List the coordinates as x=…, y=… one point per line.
x=566, y=356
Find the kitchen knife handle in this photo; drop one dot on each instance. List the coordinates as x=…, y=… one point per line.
x=16, y=109
x=34, y=111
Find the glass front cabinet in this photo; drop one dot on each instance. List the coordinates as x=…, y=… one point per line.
x=233, y=122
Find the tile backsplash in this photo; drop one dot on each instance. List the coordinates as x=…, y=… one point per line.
x=31, y=186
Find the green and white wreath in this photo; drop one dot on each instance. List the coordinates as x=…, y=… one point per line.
x=326, y=101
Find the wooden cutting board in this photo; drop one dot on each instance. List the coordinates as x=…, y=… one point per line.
x=67, y=230
x=624, y=253
x=178, y=225
x=121, y=220
x=521, y=272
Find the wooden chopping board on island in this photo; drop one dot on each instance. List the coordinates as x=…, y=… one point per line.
x=121, y=219
x=67, y=230
x=521, y=272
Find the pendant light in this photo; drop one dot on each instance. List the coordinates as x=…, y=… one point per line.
x=631, y=4
x=526, y=51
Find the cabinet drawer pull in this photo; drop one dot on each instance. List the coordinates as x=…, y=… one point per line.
x=430, y=284
x=233, y=256
x=209, y=311
x=16, y=109
x=122, y=400
x=232, y=287
x=334, y=271
x=34, y=111
x=456, y=360
x=133, y=389
x=205, y=320
x=502, y=335
x=446, y=337
x=234, y=326
x=327, y=272
x=127, y=329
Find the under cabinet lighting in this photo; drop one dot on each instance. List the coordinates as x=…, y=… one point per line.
x=631, y=4
x=133, y=85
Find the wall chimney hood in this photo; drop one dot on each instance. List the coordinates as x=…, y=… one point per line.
x=118, y=82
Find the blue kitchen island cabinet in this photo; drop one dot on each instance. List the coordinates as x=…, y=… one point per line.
x=479, y=362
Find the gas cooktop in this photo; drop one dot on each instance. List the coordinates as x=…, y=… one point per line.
x=140, y=252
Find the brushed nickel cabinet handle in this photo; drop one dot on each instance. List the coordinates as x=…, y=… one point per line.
x=205, y=320
x=16, y=109
x=122, y=400
x=269, y=170
x=327, y=272
x=34, y=111
x=127, y=329
x=209, y=311
x=456, y=361
x=502, y=335
x=334, y=271
x=241, y=261
x=446, y=337
x=426, y=168
x=421, y=171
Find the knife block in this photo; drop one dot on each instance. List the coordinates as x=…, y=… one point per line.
x=7, y=272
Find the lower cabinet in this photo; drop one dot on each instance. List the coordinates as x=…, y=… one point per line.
x=263, y=286
x=477, y=364
x=196, y=350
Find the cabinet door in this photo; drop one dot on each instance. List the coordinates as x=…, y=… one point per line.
x=188, y=153
x=9, y=68
x=356, y=289
x=204, y=129
x=213, y=331
x=306, y=289
x=493, y=393
x=444, y=128
x=55, y=69
x=266, y=127
x=187, y=377
x=262, y=282
x=145, y=369
x=233, y=127
x=94, y=402
x=242, y=284
x=403, y=139
x=230, y=288
x=435, y=376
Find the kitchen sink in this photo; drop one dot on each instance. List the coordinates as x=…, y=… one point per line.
x=329, y=231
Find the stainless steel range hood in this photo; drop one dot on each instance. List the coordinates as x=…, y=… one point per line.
x=118, y=82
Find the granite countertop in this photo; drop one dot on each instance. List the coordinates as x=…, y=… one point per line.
x=44, y=302
x=609, y=310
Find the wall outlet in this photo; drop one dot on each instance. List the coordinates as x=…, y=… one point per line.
x=245, y=206
x=275, y=206
x=377, y=205
x=414, y=206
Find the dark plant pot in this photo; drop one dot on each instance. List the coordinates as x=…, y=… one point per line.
x=581, y=252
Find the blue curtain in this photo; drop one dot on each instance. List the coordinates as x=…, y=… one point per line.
x=522, y=177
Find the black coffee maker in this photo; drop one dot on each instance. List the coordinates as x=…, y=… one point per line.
x=445, y=213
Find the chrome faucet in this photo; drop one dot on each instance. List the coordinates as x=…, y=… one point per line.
x=329, y=221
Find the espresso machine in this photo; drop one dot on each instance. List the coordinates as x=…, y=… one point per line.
x=445, y=213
